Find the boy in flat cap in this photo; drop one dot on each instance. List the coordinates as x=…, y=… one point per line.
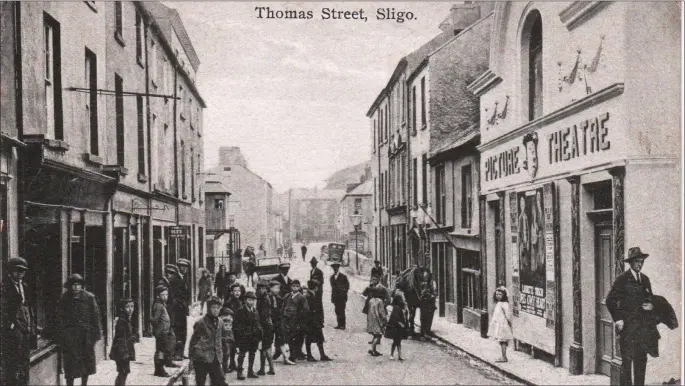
x=294, y=313
x=165, y=339
x=264, y=309
x=17, y=324
x=248, y=334
x=206, y=345
x=228, y=339
x=123, y=350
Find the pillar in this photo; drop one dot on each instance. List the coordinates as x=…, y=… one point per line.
x=109, y=248
x=618, y=224
x=482, y=208
x=576, y=349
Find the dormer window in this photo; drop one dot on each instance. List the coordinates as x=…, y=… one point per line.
x=531, y=56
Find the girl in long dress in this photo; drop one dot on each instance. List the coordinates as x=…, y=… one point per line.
x=376, y=318
x=500, y=326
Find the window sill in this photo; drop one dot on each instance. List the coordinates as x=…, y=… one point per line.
x=116, y=169
x=140, y=62
x=142, y=178
x=93, y=159
x=423, y=126
x=56, y=144
x=119, y=38
x=183, y=117
x=91, y=5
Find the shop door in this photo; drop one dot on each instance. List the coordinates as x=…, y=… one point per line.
x=147, y=279
x=607, y=348
x=134, y=274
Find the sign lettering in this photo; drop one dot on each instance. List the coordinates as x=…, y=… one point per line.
x=503, y=164
x=590, y=136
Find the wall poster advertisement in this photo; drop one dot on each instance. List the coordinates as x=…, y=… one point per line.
x=514, y=253
x=550, y=255
x=532, y=254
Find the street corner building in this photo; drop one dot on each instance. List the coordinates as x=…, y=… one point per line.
x=579, y=158
x=101, y=148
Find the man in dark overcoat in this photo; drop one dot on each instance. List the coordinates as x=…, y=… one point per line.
x=79, y=330
x=339, y=287
x=294, y=314
x=317, y=274
x=17, y=325
x=284, y=279
x=630, y=305
x=303, y=250
x=180, y=309
x=248, y=334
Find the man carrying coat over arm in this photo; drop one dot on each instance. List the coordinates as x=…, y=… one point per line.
x=632, y=306
x=339, y=287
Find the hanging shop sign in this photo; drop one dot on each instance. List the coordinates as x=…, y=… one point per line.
x=177, y=232
x=569, y=144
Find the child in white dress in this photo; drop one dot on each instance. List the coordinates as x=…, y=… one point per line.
x=500, y=325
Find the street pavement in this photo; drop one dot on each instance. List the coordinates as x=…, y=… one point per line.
x=425, y=363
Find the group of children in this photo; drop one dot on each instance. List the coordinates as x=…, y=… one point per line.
x=378, y=323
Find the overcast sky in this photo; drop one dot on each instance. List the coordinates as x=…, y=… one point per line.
x=293, y=94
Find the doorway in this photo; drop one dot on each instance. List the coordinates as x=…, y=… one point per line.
x=607, y=345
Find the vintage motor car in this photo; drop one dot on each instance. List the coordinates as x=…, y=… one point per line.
x=267, y=267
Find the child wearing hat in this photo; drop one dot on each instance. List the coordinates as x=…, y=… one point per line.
x=227, y=340
x=123, y=350
x=248, y=334
x=264, y=309
x=165, y=339
x=206, y=345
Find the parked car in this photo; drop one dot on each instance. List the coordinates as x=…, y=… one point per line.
x=336, y=252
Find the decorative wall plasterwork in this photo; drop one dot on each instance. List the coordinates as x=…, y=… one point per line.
x=497, y=113
x=580, y=11
x=580, y=69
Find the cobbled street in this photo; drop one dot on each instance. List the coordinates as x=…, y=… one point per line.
x=425, y=363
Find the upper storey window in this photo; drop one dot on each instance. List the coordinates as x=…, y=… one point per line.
x=532, y=65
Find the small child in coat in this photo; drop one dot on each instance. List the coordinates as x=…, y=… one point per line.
x=227, y=340
x=500, y=326
x=123, y=351
x=397, y=325
x=165, y=339
x=206, y=346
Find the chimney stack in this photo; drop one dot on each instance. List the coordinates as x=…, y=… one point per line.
x=461, y=16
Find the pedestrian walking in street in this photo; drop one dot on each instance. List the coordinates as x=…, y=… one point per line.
x=248, y=334
x=234, y=302
x=294, y=313
x=221, y=282
x=303, y=250
x=339, y=288
x=123, y=344
x=427, y=307
x=500, y=327
x=250, y=265
x=377, y=270
x=264, y=309
x=79, y=330
x=284, y=279
x=227, y=340
x=165, y=339
x=397, y=325
x=276, y=302
x=315, y=322
x=18, y=321
x=204, y=285
x=315, y=273
x=181, y=307
x=206, y=346
x=376, y=318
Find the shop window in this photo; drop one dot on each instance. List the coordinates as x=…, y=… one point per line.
x=218, y=203
x=466, y=197
x=471, y=277
x=532, y=69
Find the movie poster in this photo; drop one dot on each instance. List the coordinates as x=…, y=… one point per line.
x=514, y=253
x=531, y=252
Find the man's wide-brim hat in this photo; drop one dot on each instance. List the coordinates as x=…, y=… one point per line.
x=284, y=266
x=16, y=263
x=74, y=279
x=183, y=263
x=313, y=260
x=635, y=253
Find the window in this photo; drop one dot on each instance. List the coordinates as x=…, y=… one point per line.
x=403, y=100
x=183, y=169
x=380, y=191
x=218, y=203
x=466, y=196
x=423, y=102
x=91, y=80
x=139, y=39
x=141, y=136
x=192, y=174
x=380, y=127
x=374, y=137
x=411, y=110
x=181, y=95
x=119, y=120
x=424, y=180
x=415, y=182
x=190, y=112
x=357, y=204
x=534, y=68
x=387, y=124
x=375, y=194
x=153, y=62
x=118, y=22
x=440, y=197
x=53, y=78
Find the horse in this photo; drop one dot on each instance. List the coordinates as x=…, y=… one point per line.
x=410, y=282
